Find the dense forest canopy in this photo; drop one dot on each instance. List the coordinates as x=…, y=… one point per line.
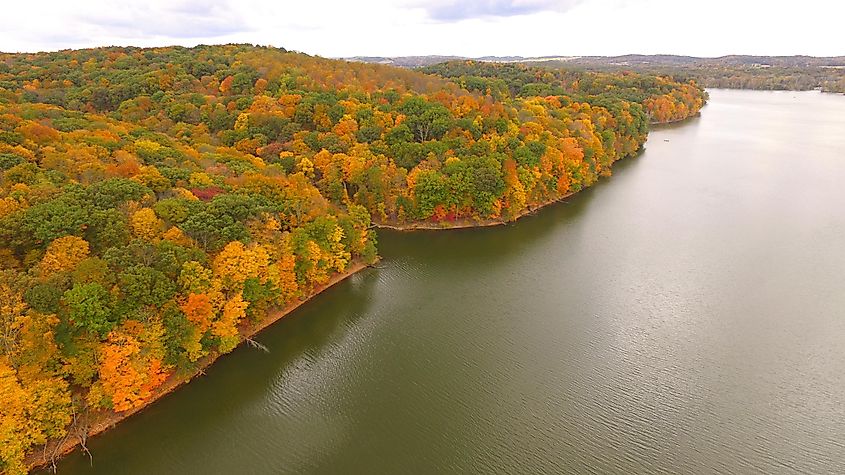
x=155, y=203
x=663, y=98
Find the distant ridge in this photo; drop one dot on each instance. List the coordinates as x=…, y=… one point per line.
x=624, y=60
x=798, y=73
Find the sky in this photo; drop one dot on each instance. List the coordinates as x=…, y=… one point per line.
x=342, y=28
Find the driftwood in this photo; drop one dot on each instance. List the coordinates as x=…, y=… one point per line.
x=255, y=344
x=79, y=428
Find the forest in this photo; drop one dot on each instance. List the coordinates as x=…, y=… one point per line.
x=156, y=203
x=663, y=98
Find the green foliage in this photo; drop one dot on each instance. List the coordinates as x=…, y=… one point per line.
x=174, y=210
x=89, y=308
x=425, y=120
x=145, y=286
x=9, y=160
x=67, y=214
x=44, y=297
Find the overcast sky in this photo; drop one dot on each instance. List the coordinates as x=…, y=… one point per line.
x=336, y=28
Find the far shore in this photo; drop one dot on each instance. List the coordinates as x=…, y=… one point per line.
x=675, y=121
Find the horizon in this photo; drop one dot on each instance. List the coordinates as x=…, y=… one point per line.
x=584, y=56
x=395, y=28
x=483, y=56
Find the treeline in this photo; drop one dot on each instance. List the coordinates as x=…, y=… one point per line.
x=155, y=203
x=760, y=77
x=731, y=72
x=771, y=78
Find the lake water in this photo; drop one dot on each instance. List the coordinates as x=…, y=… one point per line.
x=686, y=315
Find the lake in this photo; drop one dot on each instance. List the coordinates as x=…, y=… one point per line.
x=686, y=315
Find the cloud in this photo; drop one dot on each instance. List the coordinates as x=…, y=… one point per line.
x=444, y=27
x=107, y=22
x=179, y=19
x=456, y=10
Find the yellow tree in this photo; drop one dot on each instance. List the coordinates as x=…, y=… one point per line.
x=317, y=273
x=176, y=236
x=282, y=274
x=515, y=191
x=237, y=263
x=130, y=366
x=194, y=278
x=226, y=327
x=150, y=177
x=145, y=224
x=30, y=413
x=9, y=205
x=12, y=309
x=339, y=255
x=15, y=438
x=200, y=180
x=199, y=312
x=35, y=353
x=63, y=254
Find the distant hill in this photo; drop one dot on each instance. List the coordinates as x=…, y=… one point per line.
x=404, y=61
x=624, y=60
x=422, y=61
x=734, y=71
x=733, y=60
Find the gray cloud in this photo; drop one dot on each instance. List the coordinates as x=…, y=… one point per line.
x=180, y=19
x=455, y=10
x=100, y=23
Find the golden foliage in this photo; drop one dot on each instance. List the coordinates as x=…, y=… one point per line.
x=30, y=413
x=237, y=263
x=63, y=254
x=226, y=327
x=130, y=366
x=146, y=225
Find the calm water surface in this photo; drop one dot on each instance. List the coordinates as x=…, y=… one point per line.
x=686, y=315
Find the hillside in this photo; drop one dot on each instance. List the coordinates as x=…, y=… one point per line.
x=155, y=204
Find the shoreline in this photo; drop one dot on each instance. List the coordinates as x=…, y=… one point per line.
x=675, y=121
x=47, y=454
x=469, y=223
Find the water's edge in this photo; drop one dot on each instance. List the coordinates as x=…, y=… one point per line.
x=50, y=453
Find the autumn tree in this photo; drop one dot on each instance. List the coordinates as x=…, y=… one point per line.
x=63, y=254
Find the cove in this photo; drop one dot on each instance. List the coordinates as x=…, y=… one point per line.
x=685, y=315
